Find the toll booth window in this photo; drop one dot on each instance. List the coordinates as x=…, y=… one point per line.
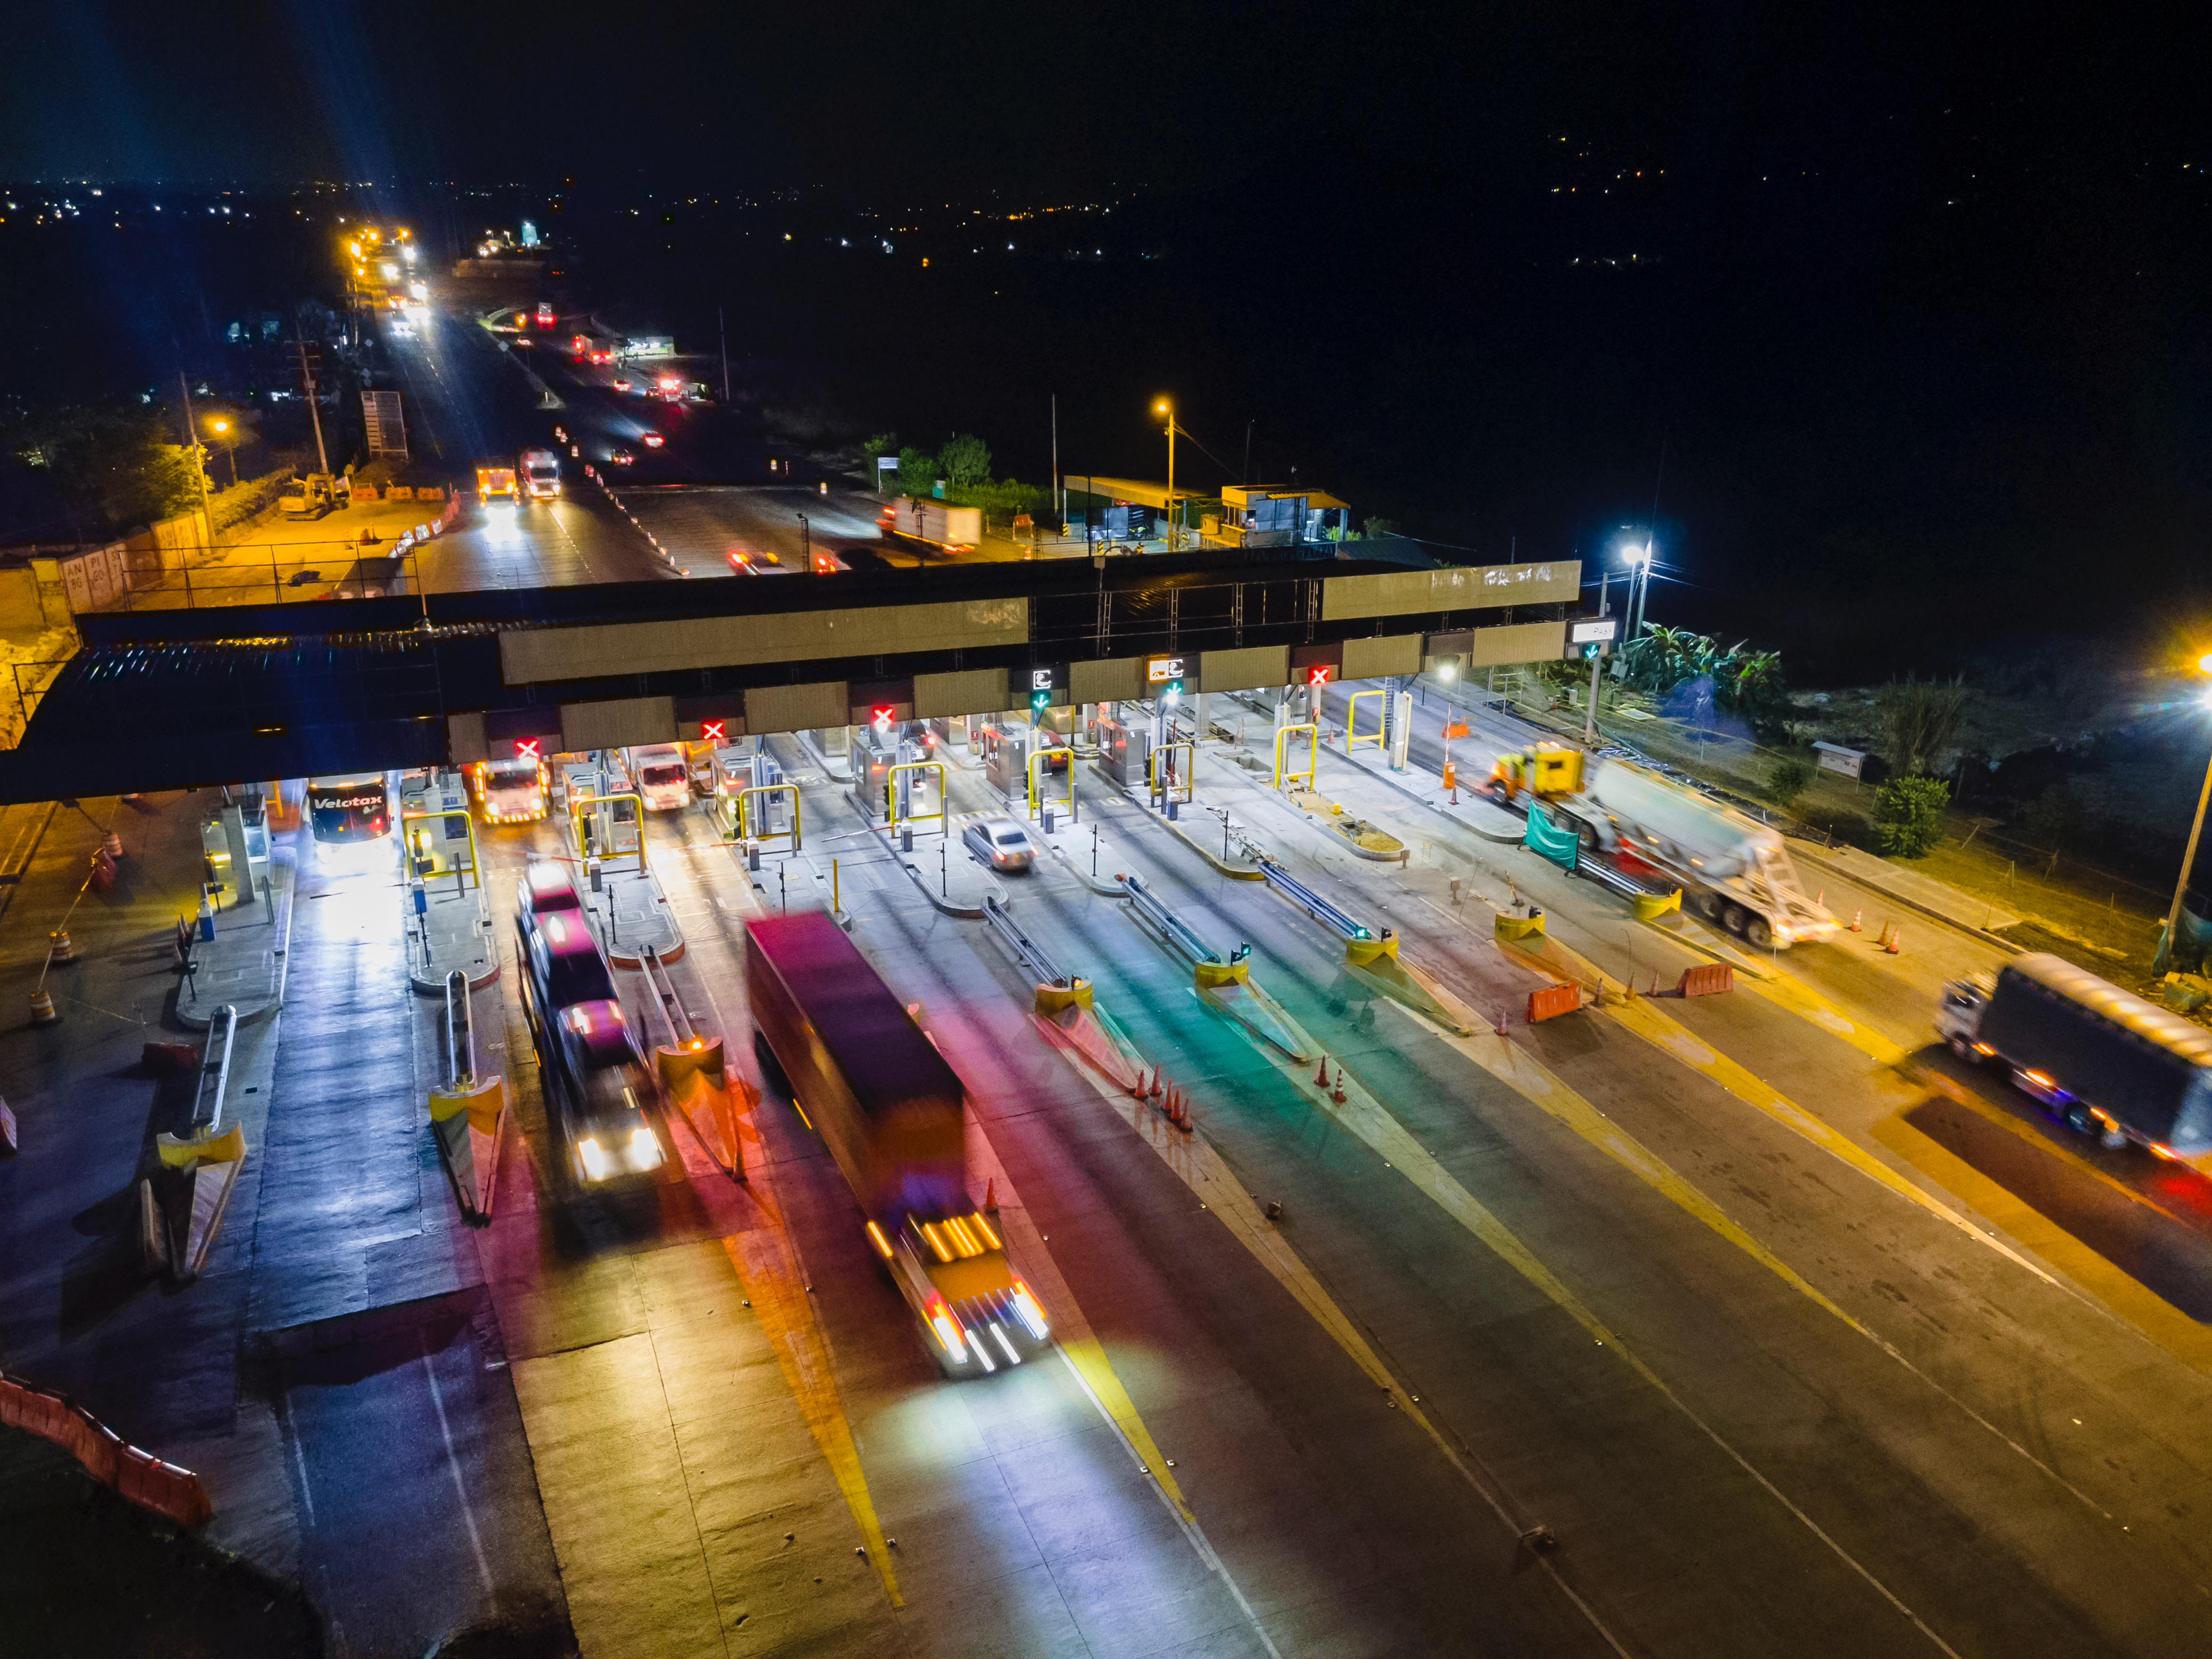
x=457, y=829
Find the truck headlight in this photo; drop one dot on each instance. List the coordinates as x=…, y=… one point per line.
x=594, y=1157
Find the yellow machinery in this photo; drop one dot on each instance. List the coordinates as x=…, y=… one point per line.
x=1547, y=771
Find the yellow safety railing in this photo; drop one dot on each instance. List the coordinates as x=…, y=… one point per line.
x=1038, y=759
x=422, y=852
x=578, y=805
x=891, y=792
x=1353, y=738
x=1189, y=776
x=746, y=831
x=1313, y=754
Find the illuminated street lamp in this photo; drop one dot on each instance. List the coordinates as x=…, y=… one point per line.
x=221, y=426
x=2196, y=829
x=1639, y=561
x=1163, y=407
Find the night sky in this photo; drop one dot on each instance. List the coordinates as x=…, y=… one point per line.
x=1916, y=302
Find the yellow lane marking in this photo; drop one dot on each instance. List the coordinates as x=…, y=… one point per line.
x=778, y=1294
x=1528, y=1076
x=2150, y=1314
x=1664, y=1034
x=1364, y=1116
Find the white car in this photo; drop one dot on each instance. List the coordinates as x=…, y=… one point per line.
x=663, y=779
x=1000, y=844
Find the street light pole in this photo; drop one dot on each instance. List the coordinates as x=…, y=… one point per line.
x=2188, y=856
x=1168, y=409
x=193, y=442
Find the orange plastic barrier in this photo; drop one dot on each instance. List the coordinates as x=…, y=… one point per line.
x=1707, y=979
x=1553, y=1000
x=138, y=1476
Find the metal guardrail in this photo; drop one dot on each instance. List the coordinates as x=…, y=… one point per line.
x=1313, y=903
x=207, y=1111
x=1026, y=949
x=682, y=1028
x=460, y=1032
x=1178, y=931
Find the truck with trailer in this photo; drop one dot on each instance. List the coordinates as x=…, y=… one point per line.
x=494, y=484
x=1733, y=870
x=934, y=523
x=865, y=1078
x=2104, y=1061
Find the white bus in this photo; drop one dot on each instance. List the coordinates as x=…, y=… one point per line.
x=349, y=817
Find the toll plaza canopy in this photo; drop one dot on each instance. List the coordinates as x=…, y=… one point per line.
x=173, y=699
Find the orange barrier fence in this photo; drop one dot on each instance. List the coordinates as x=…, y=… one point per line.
x=138, y=1476
x=1553, y=1000
x=1707, y=979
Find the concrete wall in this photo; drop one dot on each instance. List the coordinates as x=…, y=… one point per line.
x=19, y=600
x=974, y=691
x=1248, y=670
x=617, y=725
x=1394, y=654
x=1109, y=679
x=1353, y=598
x=797, y=707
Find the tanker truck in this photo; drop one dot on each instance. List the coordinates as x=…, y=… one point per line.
x=862, y=1076
x=1733, y=870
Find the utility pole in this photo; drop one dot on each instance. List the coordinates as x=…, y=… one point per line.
x=1597, y=665
x=199, y=472
x=1060, y=495
x=723, y=328
x=314, y=403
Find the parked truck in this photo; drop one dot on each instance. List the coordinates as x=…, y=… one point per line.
x=893, y=1115
x=2105, y=1061
x=1733, y=870
x=934, y=523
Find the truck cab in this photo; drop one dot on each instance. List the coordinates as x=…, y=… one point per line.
x=541, y=475
x=496, y=484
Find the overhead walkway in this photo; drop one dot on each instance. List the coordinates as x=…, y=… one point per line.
x=182, y=698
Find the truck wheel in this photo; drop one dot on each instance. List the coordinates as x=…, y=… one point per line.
x=1758, y=934
x=1961, y=1047
x=771, y=1072
x=1735, y=919
x=1710, y=904
x=2078, y=1120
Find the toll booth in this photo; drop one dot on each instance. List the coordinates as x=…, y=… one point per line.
x=871, y=753
x=917, y=778
x=235, y=845
x=950, y=730
x=608, y=827
x=1006, y=751
x=1124, y=751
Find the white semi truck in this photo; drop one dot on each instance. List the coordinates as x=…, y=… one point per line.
x=950, y=529
x=1733, y=870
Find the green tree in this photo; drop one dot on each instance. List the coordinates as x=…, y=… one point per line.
x=917, y=471
x=1788, y=778
x=1920, y=720
x=1908, y=816
x=966, y=460
x=873, y=450
x=1377, y=527
x=110, y=463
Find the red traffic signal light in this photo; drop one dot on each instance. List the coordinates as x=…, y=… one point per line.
x=526, y=749
x=1319, y=673
x=880, y=715
x=712, y=731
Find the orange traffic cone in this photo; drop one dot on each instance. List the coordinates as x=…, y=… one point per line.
x=991, y=1196
x=1855, y=915
x=1896, y=941
x=1320, y=1073
x=1501, y=1021
x=1820, y=898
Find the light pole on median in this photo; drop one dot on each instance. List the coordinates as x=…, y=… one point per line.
x=1163, y=407
x=2196, y=831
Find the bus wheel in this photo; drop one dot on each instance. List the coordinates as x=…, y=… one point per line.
x=771, y=1072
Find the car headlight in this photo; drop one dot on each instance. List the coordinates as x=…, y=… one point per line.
x=594, y=1157
x=644, y=1149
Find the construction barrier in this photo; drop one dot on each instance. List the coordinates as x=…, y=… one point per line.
x=1553, y=1000
x=138, y=1477
x=1510, y=926
x=1707, y=979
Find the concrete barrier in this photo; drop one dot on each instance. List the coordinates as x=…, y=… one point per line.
x=1519, y=928
x=1650, y=907
x=1707, y=979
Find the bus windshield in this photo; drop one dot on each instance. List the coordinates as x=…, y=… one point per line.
x=344, y=810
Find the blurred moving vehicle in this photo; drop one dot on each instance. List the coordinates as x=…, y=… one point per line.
x=606, y=1096
x=496, y=484
x=664, y=781
x=652, y=440
x=892, y=1113
x=1000, y=844
x=2103, y=1060
x=620, y=457
x=516, y=790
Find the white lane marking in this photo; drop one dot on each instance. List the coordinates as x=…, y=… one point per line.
x=454, y=1464
x=1192, y=1532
